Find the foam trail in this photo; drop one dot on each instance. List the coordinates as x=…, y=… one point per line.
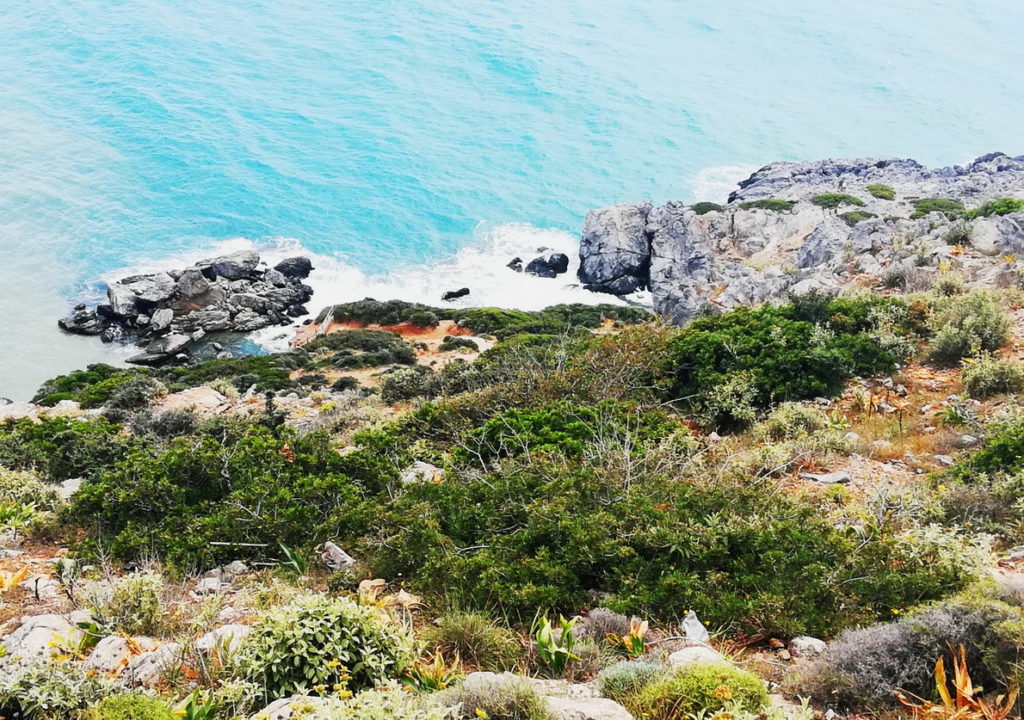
x=714, y=184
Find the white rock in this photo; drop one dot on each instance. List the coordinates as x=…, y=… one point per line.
x=335, y=558
x=208, y=586
x=38, y=635
x=69, y=487
x=147, y=669
x=420, y=472
x=806, y=646
x=945, y=460
x=112, y=654
x=226, y=636
x=599, y=708
x=839, y=477
x=694, y=655
x=236, y=568
x=282, y=709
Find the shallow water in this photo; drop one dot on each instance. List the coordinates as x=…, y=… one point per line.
x=389, y=136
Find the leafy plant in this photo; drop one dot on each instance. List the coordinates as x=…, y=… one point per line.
x=432, y=675
x=475, y=639
x=554, y=649
x=709, y=687
x=627, y=678
x=309, y=645
x=132, y=604
x=969, y=324
x=43, y=690
x=501, y=697
x=999, y=206
x=968, y=703
x=703, y=208
x=633, y=644
x=130, y=706
x=855, y=217
x=989, y=374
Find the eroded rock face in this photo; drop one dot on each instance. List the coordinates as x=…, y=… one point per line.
x=169, y=311
x=743, y=254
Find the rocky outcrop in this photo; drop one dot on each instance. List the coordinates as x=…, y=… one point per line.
x=704, y=258
x=166, y=312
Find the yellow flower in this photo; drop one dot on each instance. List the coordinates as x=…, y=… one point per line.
x=723, y=692
x=943, y=488
x=482, y=714
x=895, y=611
x=333, y=663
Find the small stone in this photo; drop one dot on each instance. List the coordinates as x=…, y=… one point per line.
x=806, y=646
x=208, y=586
x=236, y=568
x=335, y=558
x=227, y=637
x=851, y=437
x=839, y=477
x=966, y=441
x=944, y=460
x=784, y=655
x=147, y=669
x=696, y=654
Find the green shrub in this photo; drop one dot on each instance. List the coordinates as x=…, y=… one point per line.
x=61, y=448
x=771, y=204
x=406, y=384
x=700, y=687
x=952, y=209
x=130, y=707
x=627, y=678
x=388, y=703
x=782, y=357
x=355, y=349
x=882, y=192
x=1001, y=454
x=792, y=420
x=450, y=344
x=703, y=208
x=132, y=604
x=999, y=206
x=968, y=324
x=856, y=216
x=391, y=312
x=91, y=387
x=266, y=372
x=948, y=284
x=315, y=640
x=424, y=319
x=833, y=200
x=989, y=374
x=476, y=639
x=345, y=382
x=502, y=697
x=26, y=488
x=44, y=690
x=862, y=668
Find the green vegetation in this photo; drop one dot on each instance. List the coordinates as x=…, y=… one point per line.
x=952, y=209
x=90, y=388
x=130, y=707
x=709, y=687
x=831, y=201
x=882, y=192
x=356, y=349
x=999, y=206
x=476, y=639
x=856, y=216
x=703, y=208
x=771, y=204
x=988, y=375
x=451, y=344
x=965, y=325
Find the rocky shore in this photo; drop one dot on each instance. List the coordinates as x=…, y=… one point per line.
x=167, y=312
x=795, y=227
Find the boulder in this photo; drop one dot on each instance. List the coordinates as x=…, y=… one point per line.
x=335, y=558
x=548, y=266
x=228, y=637
x=838, y=477
x=805, y=646
x=615, y=251
x=147, y=669
x=285, y=708
x=113, y=653
x=693, y=655
x=39, y=635
x=455, y=294
x=598, y=708
x=161, y=319
x=193, y=283
x=295, y=267
x=83, y=321
x=208, y=586
x=236, y=266
x=420, y=472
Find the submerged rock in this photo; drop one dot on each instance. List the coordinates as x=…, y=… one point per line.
x=548, y=266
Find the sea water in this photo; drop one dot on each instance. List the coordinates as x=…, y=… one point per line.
x=418, y=145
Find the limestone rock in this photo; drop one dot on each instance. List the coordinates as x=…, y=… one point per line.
x=806, y=646
x=36, y=635
x=335, y=558
x=225, y=636
x=145, y=670
x=694, y=654
x=615, y=252
x=113, y=653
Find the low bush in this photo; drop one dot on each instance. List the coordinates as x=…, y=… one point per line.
x=599, y=623
x=999, y=206
x=345, y=382
x=317, y=641
x=854, y=217
x=627, y=678
x=91, y=388
x=388, y=703
x=771, y=204
x=833, y=200
x=60, y=448
x=265, y=372
x=130, y=707
x=474, y=638
x=952, y=209
x=882, y=192
x=41, y=689
x=703, y=208
x=132, y=604
x=778, y=356
x=451, y=344
x=25, y=488
x=989, y=374
x=948, y=284
x=504, y=697
x=968, y=324
x=700, y=687
x=391, y=312
x=863, y=668
x=792, y=420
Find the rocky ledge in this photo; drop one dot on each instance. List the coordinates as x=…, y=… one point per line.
x=795, y=227
x=167, y=312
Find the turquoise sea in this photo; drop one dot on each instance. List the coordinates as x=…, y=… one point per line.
x=416, y=144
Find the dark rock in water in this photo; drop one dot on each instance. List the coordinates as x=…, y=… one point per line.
x=166, y=311
x=295, y=267
x=615, y=253
x=455, y=294
x=516, y=264
x=83, y=321
x=548, y=266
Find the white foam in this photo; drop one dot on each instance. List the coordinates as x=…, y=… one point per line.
x=714, y=184
x=481, y=266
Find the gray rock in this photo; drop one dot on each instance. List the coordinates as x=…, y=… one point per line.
x=236, y=266
x=615, y=252
x=161, y=319
x=944, y=460
x=295, y=267
x=806, y=646
x=694, y=655
x=839, y=477
x=113, y=653
x=420, y=472
x=208, y=586
x=597, y=708
x=282, y=709
x=147, y=669
x=227, y=637
x=36, y=635
x=966, y=441
x=335, y=558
